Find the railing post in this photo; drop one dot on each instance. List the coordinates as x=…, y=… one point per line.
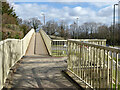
x=111, y=70
x=107, y=69
x=116, y=76
x=100, y=59
x=69, y=52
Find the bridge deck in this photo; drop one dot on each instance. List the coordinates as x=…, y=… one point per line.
x=40, y=71
x=37, y=46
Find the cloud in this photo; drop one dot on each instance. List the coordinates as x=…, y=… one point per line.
x=106, y=12
x=64, y=0
x=68, y=14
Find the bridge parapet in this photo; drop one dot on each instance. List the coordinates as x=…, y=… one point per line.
x=47, y=41
x=12, y=50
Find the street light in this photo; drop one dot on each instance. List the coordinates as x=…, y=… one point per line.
x=114, y=23
x=44, y=18
x=77, y=28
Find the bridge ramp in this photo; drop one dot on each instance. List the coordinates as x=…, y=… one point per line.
x=37, y=46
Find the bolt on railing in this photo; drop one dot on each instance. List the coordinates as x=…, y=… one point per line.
x=96, y=65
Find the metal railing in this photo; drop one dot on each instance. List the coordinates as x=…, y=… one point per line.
x=59, y=47
x=92, y=41
x=96, y=65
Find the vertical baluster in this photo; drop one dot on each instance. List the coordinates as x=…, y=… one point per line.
x=94, y=58
x=116, y=73
x=52, y=47
x=71, y=59
x=57, y=47
x=66, y=48
x=100, y=68
x=77, y=59
x=111, y=69
x=62, y=48
x=68, y=55
x=86, y=72
x=97, y=66
x=90, y=66
x=102, y=61
x=83, y=62
x=107, y=69
x=60, y=52
x=73, y=55
x=64, y=45
x=80, y=61
x=104, y=70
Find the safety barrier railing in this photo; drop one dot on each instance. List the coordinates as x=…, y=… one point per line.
x=92, y=41
x=11, y=51
x=59, y=47
x=92, y=64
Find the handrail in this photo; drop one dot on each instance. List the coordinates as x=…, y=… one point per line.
x=97, y=46
x=59, y=47
x=92, y=65
x=88, y=39
x=12, y=50
x=59, y=40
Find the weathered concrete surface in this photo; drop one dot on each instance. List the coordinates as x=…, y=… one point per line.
x=47, y=41
x=38, y=70
x=40, y=48
x=41, y=72
x=31, y=47
x=11, y=51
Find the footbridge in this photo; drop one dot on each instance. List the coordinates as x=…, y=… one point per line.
x=38, y=62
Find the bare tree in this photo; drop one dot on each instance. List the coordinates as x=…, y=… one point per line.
x=51, y=27
x=35, y=23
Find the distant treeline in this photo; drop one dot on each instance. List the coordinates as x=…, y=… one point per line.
x=88, y=30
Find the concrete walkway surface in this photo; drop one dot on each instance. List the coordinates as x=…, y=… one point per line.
x=39, y=70
x=44, y=72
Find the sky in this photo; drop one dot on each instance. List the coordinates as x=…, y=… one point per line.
x=99, y=12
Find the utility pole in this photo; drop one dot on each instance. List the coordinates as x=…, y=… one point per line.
x=44, y=18
x=118, y=21
x=77, y=28
x=114, y=23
